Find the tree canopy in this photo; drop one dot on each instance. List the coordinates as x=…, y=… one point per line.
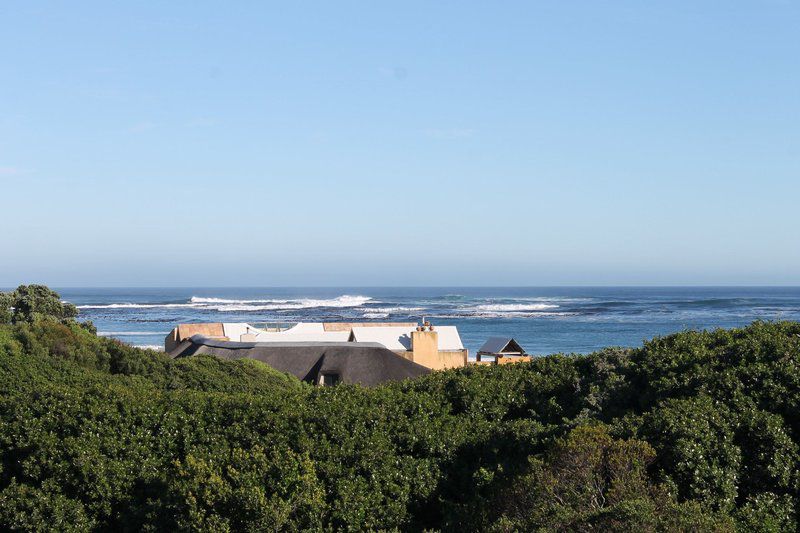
x=27, y=302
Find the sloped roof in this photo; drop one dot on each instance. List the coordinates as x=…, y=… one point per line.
x=392, y=337
x=322, y=336
x=365, y=363
x=347, y=326
x=399, y=338
x=395, y=336
x=305, y=328
x=300, y=332
x=501, y=345
x=449, y=339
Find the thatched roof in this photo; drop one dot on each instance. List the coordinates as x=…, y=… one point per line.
x=364, y=363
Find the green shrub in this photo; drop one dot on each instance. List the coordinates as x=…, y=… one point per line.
x=697, y=431
x=768, y=512
x=32, y=301
x=26, y=508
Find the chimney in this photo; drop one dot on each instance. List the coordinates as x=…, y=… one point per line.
x=425, y=345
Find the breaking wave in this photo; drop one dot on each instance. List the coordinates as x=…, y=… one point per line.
x=304, y=303
x=512, y=308
x=517, y=314
x=222, y=304
x=375, y=315
x=395, y=309
x=135, y=306
x=129, y=333
x=203, y=300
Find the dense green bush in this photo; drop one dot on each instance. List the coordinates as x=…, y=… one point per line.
x=589, y=481
x=697, y=431
x=27, y=302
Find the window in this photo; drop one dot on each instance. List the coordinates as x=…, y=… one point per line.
x=329, y=380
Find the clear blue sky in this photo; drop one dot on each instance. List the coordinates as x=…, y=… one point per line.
x=400, y=143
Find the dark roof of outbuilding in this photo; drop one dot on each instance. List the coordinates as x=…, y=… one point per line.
x=500, y=345
x=354, y=362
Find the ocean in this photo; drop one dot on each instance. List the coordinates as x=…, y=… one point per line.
x=543, y=319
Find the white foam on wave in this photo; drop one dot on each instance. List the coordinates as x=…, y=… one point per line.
x=395, y=309
x=512, y=308
x=375, y=315
x=204, y=300
x=227, y=305
x=303, y=303
x=149, y=347
x=129, y=333
x=134, y=306
x=517, y=314
x=246, y=307
x=552, y=299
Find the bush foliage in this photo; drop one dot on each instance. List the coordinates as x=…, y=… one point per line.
x=28, y=302
x=696, y=431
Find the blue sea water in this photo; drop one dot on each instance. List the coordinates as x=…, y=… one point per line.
x=544, y=320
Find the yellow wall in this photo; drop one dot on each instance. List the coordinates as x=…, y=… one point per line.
x=513, y=359
x=453, y=358
x=425, y=351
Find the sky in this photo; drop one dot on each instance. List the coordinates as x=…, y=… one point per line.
x=399, y=143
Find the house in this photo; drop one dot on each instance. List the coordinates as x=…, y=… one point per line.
x=243, y=332
x=319, y=363
x=436, y=348
x=501, y=350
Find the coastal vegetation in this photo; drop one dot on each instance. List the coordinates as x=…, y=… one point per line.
x=695, y=431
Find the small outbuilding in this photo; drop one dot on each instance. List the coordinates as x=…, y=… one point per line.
x=502, y=350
